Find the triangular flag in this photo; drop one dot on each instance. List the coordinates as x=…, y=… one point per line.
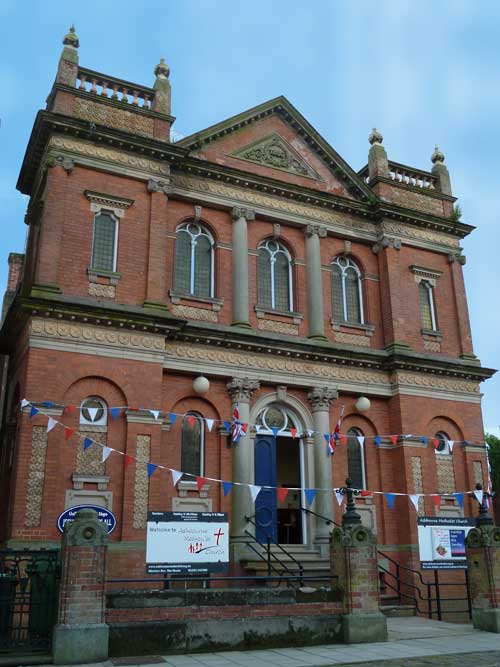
x=87, y=443
x=479, y=495
x=24, y=403
x=106, y=451
x=424, y=439
x=393, y=439
x=48, y=404
x=244, y=428
x=460, y=499
x=390, y=497
x=68, y=409
x=210, y=423
x=227, y=426
x=275, y=430
x=258, y=428
x=52, y=423
x=176, y=475
x=414, y=497
x=226, y=487
x=151, y=468
x=133, y=408
x=339, y=496
x=377, y=440
x=310, y=495
x=282, y=493
x=293, y=431
x=365, y=493
x=361, y=439
x=33, y=411
x=127, y=460
x=68, y=432
x=435, y=442
x=93, y=413
x=327, y=438
x=254, y=491
x=155, y=413
x=310, y=433
x=436, y=499
x=343, y=440
x=191, y=420
x=450, y=444
x=172, y=417
x=200, y=482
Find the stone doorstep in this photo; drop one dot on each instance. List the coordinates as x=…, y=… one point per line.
x=138, y=660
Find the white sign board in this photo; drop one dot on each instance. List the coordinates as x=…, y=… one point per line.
x=441, y=542
x=187, y=542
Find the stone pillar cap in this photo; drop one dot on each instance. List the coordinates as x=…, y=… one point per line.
x=162, y=69
x=437, y=156
x=71, y=39
x=375, y=137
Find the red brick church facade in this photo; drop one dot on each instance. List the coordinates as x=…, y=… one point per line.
x=250, y=254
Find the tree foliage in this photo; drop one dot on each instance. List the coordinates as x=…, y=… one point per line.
x=494, y=455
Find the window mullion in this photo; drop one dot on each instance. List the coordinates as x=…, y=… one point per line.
x=273, y=296
x=191, y=275
x=431, y=306
x=344, y=296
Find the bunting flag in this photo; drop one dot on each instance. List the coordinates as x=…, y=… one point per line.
x=69, y=409
x=293, y=431
x=436, y=499
x=115, y=413
x=155, y=413
x=377, y=440
x=176, y=475
x=361, y=440
x=48, y=404
x=339, y=496
x=275, y=431
x=365, y=493
x=87, y=443
x=172, y=417
x=24, y=403
x=227, y=426
x=254, y=491
x=435, y=442
x=450, y=444
x=338, y=425
x=200, y=483
x=282, y=493
x=343, y=440
x=460, y=499
x=226, y=487
x=33, y=411
x=191, y=419
x=106, y=451
x=393, y=439
x=210, y=423
x=93, y=412
x=52, y=423
x=310, y=495
x=151, y=468
x=127, y=461
x=68, y=432
x=390, y=497
x=424, y=439
x=479, y=496
x=309, y=433
x=414, y=497
x=330, y=450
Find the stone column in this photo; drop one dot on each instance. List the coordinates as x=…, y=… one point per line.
x=241, y=217
x=354, y=568
x=321, y=399
x=482, y=549
x=81, y=634
x=316, y=324
x=156, y=289
x=241, y=390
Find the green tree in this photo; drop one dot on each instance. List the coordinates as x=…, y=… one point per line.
x=494, y=454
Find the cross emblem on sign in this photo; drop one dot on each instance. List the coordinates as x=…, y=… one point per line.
x=217, y=536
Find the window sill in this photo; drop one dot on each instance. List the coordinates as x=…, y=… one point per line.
x=432, y=334
x=177, y=297
x=184, y=486
x=262, y=311
x=366, y=329
x=101, y=273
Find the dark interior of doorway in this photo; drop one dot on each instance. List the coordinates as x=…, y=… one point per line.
x=288, y=475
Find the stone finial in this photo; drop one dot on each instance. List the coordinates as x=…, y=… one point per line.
x=71, y=39
x=375, y=137
x=437, y=156
x=162, y=69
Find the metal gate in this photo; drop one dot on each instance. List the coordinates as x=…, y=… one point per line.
x=29, y=582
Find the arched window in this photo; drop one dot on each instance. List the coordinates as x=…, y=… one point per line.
x=193, y=444
x=356, y=458
x=443, y=446
x=194, y=261
x=93, y=411
x=274, y=276
x=426, y=296
x=275, y=416
x=347, y=292
x=105, y=242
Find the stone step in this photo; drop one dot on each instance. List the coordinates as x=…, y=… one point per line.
x=398, y=611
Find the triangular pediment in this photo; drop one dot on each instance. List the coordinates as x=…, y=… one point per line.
x=274, y=140
x=273, y=151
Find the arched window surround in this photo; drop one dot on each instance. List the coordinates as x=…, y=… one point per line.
x=356, y=445
x=341, y=310
x=186, y=428
x=195, y=229
x=279, y=249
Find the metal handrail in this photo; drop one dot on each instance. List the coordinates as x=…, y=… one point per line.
x=270, y=566
x=320, y=516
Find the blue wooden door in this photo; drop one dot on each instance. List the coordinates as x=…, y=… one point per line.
x=266, y=506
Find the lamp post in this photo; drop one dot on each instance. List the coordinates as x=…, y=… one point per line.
x=350, y=517
x=483, y=518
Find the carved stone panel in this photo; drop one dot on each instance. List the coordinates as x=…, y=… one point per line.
x=273, y=151
x=36, y=476
x=89, y=461
x=445, y=474
x=141, y=485
x=102, y=114
x=478, y=472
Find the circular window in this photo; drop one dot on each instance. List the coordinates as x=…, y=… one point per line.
x=274, y=417
x=442, y=445
x=93, y=411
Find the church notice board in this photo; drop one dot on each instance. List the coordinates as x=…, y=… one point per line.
x=441, y=542
x=193, y=543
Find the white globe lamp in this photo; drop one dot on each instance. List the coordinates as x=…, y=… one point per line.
x=363, y=404
x=201, y=385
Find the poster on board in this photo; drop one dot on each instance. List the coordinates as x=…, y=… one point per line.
x=441, y=542
x=187, y=542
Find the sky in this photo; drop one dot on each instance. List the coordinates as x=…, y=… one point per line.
x=423, y=73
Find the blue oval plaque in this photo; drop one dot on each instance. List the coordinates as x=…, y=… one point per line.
x=105, y=516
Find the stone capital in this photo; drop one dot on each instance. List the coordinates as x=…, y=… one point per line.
x=386, y=242
x=321, y=398
x=159, y=186
x=312, y=230
x=241, y=389
x=239, y=212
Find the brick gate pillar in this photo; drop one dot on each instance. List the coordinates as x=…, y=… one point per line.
x=81, y=635
x=354, y=568
x=482, y=549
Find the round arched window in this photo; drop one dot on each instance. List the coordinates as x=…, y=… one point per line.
x=93, y=411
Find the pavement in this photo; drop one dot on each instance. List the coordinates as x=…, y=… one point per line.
x=413, y=642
